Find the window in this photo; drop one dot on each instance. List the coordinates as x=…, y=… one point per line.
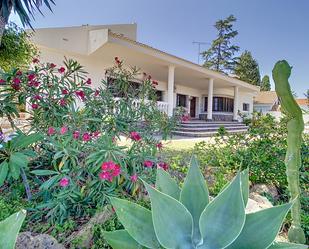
x=119, y=91
x=181, y=100
x=245, y=107
x=220, y=104
x=159, y=95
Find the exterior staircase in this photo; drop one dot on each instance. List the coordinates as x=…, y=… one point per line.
x=200, y=128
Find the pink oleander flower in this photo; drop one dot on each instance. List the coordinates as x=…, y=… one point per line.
x=159, y=145
x=61, y=70
x=185, y=118
x=135, y=136
x=104, y=175
x=88, y=81
x=62, y=102
x=19, y=73
x=31, y=77
x=107, y=165
x=2, y=81
x=63, y=130
x=109, y=171
x=64, y=182
x=155, y=83
x=76, y=134
x=16, y=81
x=80, y=94
x=96, y=134
x=96, y=93
x=134, y=178
x=51, y=131
x=86, y=137
x=148, y=164
x=37, y=97
x=35, y=60
x=52, y=65
x=64, y=91
x=34, y=106
x=163, y=165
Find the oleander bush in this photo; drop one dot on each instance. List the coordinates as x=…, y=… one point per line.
x=95, y=142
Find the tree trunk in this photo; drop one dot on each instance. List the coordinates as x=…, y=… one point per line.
x=2, y=27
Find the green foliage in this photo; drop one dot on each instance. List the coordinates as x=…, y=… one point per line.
x=194, y=222
x=220, y=56
x=265, y=83
x=263, y=147
x=247, y=69
x=14, y=157
x=295, y=127
x=68, y=174
x=25, y=9
x=16, y=49
x=9, y=229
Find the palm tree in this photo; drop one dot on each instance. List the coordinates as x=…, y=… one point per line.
x=24, y=8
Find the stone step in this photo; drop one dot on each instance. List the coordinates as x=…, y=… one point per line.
x=212, y=125
x=204, y=134
x=206, y=129
x=209, y=122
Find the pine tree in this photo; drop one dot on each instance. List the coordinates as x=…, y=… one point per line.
x=247, y=69
x=220, y=56
x=265, y=84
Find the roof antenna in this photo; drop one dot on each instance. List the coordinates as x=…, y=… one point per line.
x=199, y=43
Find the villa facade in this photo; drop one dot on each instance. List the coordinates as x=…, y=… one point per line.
x=204, y=93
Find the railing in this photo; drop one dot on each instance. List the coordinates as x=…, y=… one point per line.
x=162, y=106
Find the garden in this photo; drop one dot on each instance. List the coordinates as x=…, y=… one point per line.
x=83, y=170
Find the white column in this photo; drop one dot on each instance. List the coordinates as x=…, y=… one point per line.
x=210, y=97
x=236, y=100
x=170, y=90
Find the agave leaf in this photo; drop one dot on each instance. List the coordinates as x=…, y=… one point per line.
x=223, y=218
x=287, y=246
x=167, y=185
x=9, y=229
x=261, y=228
x=194, y=195
x=121, y=239
x=244, y=179
x=137, y=221
x=172, y=222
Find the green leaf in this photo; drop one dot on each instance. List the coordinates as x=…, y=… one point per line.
x=194, y=196
x=17, y=160
x=223, y=219
x=121, y=239
x=166, y=185
x=173, y=224
x=23, y=141
x=244, y=180
x=44, y=172
x=137, y=221
x=261, y=228
x=4, y=169
x=287, y=246
x=9, y=229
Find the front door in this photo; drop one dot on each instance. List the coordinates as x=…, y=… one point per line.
x=192, y=107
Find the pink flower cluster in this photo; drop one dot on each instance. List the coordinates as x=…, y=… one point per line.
x=64, y=182
x=163, y=165
x=109, y=171
x=86, y=136
x=185, y=118
x=135, y=136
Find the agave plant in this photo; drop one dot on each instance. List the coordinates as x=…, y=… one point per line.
x=186, y=218
x=9, y=229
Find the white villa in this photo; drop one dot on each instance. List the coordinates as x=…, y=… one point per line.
x=206, y=94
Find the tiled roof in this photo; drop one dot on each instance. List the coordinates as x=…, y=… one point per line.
x=267, y=97
x=302, y=101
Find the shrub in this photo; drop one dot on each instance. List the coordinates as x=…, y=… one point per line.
x=83, y=157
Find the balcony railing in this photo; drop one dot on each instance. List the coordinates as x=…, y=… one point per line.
x=162, y=106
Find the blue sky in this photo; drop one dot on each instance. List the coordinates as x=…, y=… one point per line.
x=270, y=29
